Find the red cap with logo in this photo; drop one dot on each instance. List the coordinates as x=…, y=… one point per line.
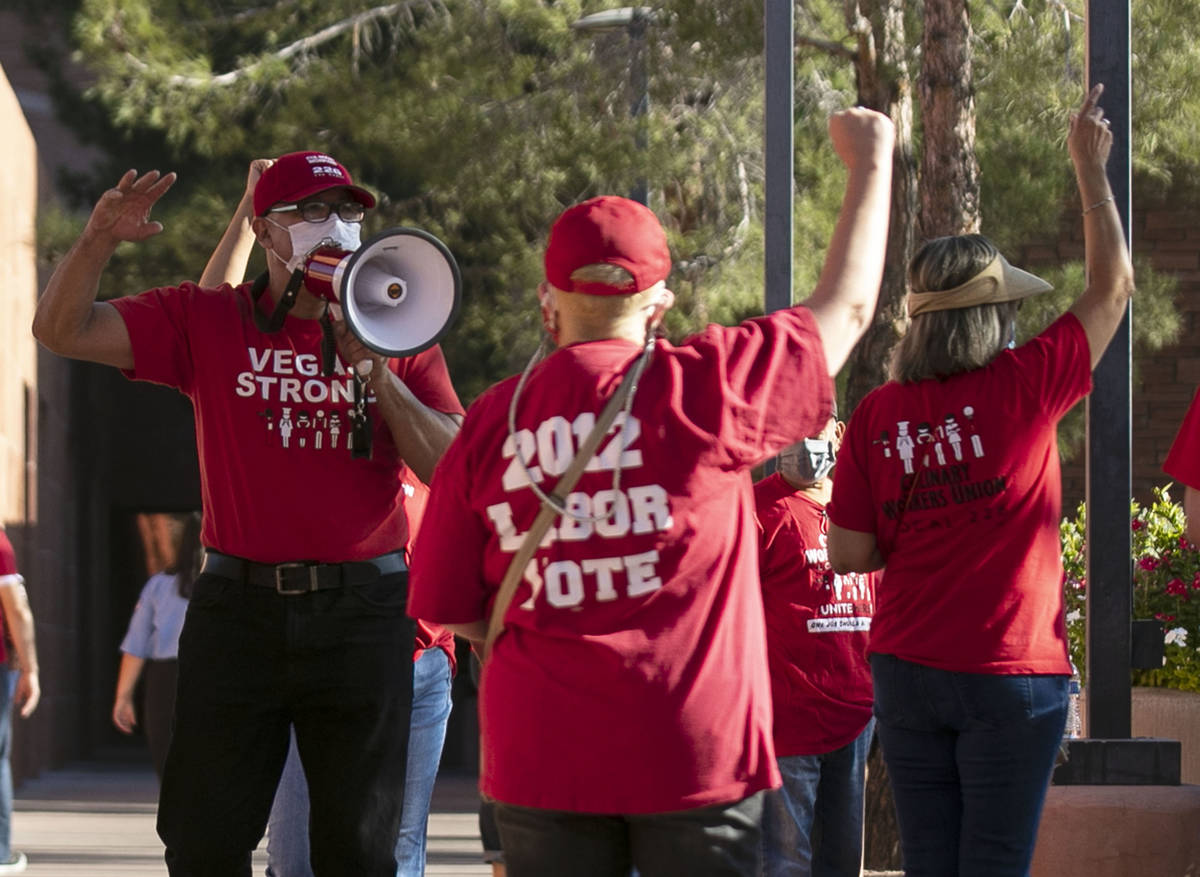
x=297, y=175
x=607, y=230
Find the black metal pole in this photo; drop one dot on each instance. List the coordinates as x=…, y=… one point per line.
x=1109, y=445
x=778, y=21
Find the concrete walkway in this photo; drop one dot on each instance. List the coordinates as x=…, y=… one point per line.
x=96, y=819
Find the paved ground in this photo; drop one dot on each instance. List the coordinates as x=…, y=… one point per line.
x=97, y=819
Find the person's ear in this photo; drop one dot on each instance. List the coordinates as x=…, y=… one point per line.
x=659, y=305
x=262, y=232
x=549, y=310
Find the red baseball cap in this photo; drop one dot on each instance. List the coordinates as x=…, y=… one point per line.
x=607, y=230
x=295, y=176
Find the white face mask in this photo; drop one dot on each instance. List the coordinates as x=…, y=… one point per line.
x=308, y=236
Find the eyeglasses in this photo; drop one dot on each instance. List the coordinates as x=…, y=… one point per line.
x=318, y=211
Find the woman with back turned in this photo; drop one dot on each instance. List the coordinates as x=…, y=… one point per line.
x=948, y=479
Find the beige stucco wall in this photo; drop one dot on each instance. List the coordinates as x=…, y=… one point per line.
x=1171, y=715
x=18, y=295
x=1119, y=831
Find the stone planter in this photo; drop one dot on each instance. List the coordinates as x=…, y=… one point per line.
x=1172, y=715
x=1116, y=831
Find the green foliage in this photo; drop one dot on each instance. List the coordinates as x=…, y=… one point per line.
x=1028, y=67
x=1156, y=323
x=1166, y=587
x=479, y=120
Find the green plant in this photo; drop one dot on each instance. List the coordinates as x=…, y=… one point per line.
x=1166, y=586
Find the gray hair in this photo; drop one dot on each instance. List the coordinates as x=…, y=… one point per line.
x=943, y=343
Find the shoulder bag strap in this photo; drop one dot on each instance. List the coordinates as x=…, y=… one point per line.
x=508, y=587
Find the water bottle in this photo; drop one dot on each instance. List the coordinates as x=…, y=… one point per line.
x=1074, y=727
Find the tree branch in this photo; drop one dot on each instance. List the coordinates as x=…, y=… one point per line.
x=307, y=44
x=828, y=46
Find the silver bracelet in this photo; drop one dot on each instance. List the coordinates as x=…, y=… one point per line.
x=1099, y=203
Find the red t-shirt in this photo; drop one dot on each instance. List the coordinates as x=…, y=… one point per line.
x=429, y=636
x=817, y=626
x=8, y=576
x=277, y=478
x=1183, y=460
x=635, y=679
x=959, y=481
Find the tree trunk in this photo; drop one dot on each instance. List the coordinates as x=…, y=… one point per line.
x=881, y=841
x=884, y=84
x=949, y=170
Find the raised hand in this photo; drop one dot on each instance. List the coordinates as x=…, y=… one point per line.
x=256, y=170
x=859, y=134
x=1089, y=137
x=123, y=212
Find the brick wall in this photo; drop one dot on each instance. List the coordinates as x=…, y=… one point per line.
x=1165, y=232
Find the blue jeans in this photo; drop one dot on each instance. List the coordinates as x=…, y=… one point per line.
x=334, y=664
x=287, y=828
x=720, y=841
x=969, y=756
x=8, y=685
x=814, y=824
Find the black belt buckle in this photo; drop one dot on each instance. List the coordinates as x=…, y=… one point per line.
x=282, y=571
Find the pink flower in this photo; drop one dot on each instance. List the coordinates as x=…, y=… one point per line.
x=1184, y=543
x=1176, y=587
x=1136, y=524
x=1163, y=616
x=1148, y=563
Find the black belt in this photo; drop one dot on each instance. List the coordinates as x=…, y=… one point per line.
x=302, y=578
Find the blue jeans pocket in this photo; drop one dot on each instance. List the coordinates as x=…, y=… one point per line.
x=898, y=694
x=996, y=701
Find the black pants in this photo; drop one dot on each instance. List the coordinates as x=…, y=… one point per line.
x=720, y=841
x=161, y=678
x=338, y=665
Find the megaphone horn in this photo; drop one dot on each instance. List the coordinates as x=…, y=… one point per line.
x=399, y=291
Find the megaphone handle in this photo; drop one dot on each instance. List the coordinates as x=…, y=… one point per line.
x=360, y=422
x=328, y=343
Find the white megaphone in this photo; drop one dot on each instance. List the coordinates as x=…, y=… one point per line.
x=399, y=291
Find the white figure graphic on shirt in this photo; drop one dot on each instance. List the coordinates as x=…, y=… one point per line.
x=976, y=442
x=884, y=440
x=335, y=429
x=319, y=431
x=285, y=426
x=269, y=416
x=925, y=437
x=953, y=435
x=904, y=446
x=303, y=424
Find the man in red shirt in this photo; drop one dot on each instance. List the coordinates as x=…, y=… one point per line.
x=818, y=623
x=625, y=708
x=298, y=616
